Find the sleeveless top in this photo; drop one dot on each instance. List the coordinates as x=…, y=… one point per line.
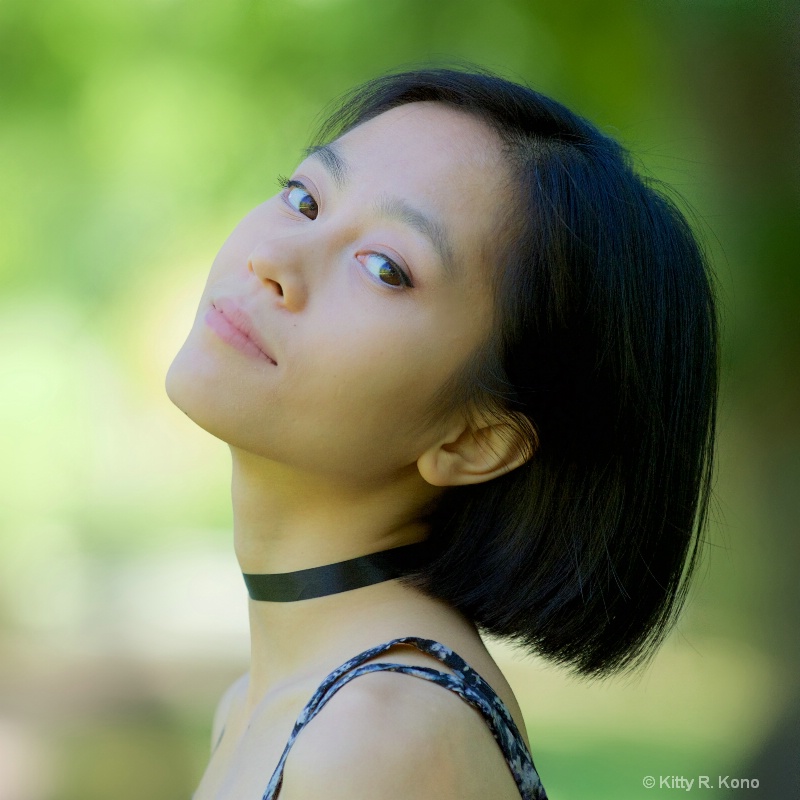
x=467, y=684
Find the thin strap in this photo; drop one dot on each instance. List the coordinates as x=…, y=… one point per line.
x=469, y=685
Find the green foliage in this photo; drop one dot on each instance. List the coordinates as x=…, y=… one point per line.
x=135, y=133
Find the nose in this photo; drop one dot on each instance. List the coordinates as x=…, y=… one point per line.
x=276, y=262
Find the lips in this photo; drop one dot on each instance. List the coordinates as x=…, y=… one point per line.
x=236, y=316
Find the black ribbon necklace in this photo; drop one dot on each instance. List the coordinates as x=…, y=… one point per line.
x=304, y=584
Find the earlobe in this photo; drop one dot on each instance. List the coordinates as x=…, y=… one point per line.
x=476, y=454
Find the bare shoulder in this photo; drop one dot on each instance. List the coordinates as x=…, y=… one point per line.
x=229, y=697
x=389, y=736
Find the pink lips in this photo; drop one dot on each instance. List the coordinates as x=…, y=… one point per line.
x=234, y=326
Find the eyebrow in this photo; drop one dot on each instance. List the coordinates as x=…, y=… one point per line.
x=332, y=161
x=393, y=207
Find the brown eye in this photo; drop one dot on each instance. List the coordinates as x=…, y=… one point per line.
x=385, y=270
x=298, y=197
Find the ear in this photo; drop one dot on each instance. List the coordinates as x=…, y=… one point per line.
x=477, y=452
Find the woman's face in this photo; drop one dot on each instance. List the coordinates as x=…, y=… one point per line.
x=366, y=282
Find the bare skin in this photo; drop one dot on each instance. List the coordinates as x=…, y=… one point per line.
x=330, y=457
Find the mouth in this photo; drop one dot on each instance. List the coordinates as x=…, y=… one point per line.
x=236, y=327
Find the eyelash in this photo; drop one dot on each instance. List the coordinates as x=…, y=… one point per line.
x=288, y=183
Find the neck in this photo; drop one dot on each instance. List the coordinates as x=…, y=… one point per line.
x=286, y=521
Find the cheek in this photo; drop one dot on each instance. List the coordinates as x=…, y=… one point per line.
x=357, y=370
x=375, y=369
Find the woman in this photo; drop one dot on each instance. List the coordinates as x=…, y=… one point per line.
x=466, y=363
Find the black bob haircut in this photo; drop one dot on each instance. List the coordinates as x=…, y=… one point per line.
x=605, y=354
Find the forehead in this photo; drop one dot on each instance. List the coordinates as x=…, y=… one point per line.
x=445, y=134
x=441, y=160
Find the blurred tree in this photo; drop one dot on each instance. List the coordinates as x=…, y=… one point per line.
x=134, y=134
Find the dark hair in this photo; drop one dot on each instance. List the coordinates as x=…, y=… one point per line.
x=605, y=354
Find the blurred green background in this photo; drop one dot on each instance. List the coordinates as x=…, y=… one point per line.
x=134, y=134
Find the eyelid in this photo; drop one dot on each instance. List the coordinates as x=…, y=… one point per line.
x=405, y=275
x=293, y=183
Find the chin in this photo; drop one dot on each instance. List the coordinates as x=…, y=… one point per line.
x=174, y=381
x=198, y=384
x=191, y=388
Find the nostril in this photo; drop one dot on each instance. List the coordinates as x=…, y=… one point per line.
x=267, y=273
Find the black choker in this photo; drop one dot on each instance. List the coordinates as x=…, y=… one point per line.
x=304, y=584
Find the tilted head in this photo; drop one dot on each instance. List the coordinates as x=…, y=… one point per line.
x=457, y=247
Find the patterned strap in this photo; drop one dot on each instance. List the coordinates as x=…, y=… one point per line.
x=470, y=686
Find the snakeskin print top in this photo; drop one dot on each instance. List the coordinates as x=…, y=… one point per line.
x=467, y=684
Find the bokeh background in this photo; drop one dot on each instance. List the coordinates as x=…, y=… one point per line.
x=133, y=136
